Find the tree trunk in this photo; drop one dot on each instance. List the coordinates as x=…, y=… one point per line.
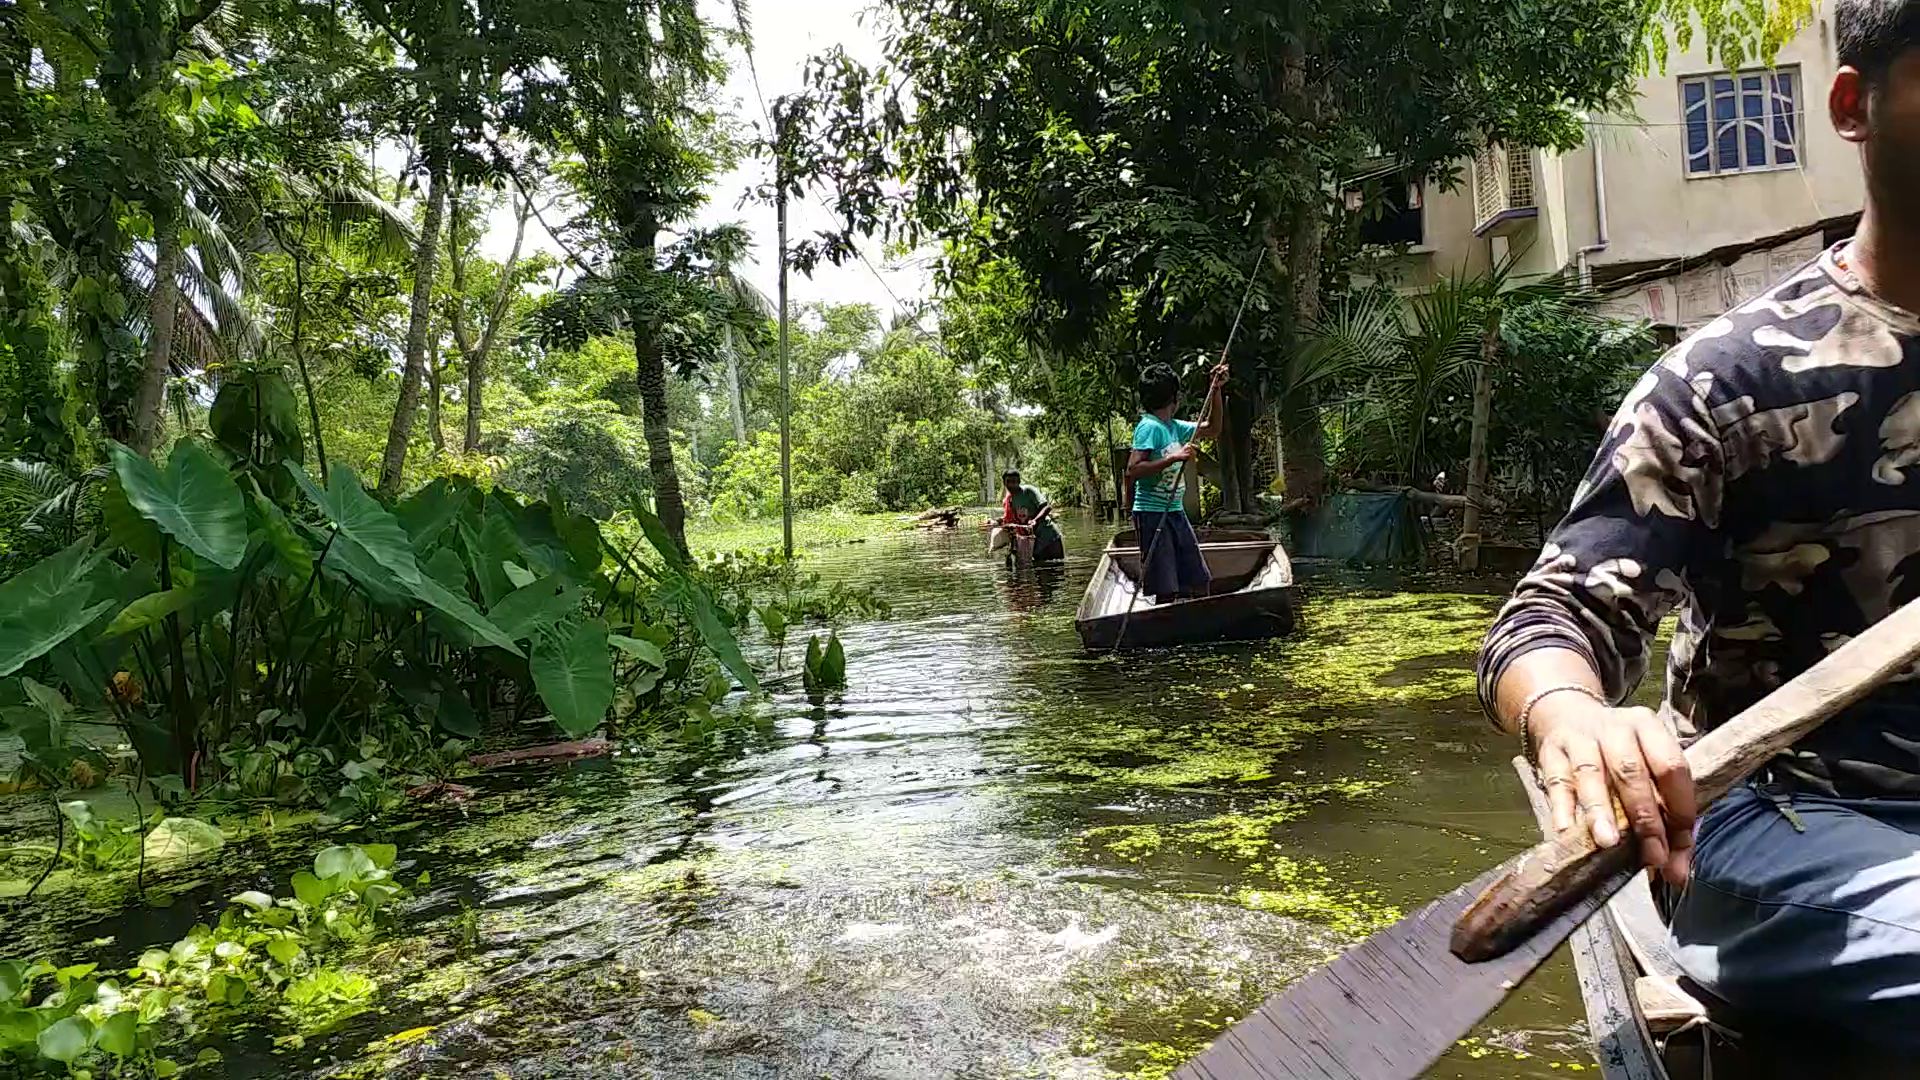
x=1089, y=477
x=1468, y=547
x=435, y=388
x=163, y=306
x=734, y=398
x=502, y=299
x=650, y=374
x=425, y=262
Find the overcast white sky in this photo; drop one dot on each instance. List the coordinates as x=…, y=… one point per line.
x=786, y=33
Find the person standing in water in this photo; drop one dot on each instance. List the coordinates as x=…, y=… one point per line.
x=1172, y=567
x=1025, y=506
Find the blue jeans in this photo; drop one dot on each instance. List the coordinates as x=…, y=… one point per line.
x=1172, y=565
x=1821, y=924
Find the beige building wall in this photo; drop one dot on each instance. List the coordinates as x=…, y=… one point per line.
x=1657, y=212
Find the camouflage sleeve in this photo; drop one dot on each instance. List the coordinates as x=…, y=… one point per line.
x=1645, y=514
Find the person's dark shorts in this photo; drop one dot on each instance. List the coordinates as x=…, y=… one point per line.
x=1174, y=566
x=1049, y=547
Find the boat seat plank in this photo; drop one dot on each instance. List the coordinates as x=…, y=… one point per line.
x=1666, y=1005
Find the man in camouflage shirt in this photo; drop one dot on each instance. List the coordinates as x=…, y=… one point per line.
x=1764, y=478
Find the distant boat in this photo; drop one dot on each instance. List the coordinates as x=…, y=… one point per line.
x=1252, y=598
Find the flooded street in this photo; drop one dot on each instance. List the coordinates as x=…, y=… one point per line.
x=992, y=856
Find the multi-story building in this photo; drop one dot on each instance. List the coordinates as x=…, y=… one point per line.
x=1719, y=184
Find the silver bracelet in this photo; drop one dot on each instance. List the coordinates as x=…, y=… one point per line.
x=1526, y=714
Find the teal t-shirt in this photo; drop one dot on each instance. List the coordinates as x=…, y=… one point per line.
x=1027, y=502
x=1162, y=491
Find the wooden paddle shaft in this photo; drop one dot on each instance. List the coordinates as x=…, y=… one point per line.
x=1551, y=877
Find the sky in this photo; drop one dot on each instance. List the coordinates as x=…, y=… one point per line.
x=785, y=33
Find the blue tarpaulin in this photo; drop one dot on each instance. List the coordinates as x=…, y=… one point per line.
x=1374, y=529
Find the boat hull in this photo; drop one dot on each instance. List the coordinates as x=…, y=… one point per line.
x=1254, y=597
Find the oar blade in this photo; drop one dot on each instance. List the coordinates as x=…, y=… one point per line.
x=1387, y=1008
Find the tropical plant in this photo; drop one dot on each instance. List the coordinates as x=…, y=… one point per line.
x=246, y=601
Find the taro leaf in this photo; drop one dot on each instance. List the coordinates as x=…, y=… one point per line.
x=520, y=576
x=126, y=529
x=46, y=604
x=833, y=664
x=774, y=618
x=489, y=547
x=581, y=535
x=273, y=524
x=810, y=667
x=698, y=606
x=362, y=520
x=574, y=673
x=366, y=532
x=117, y=1034
x=193, y=500
x=257, y=408
x=149, y=610
x=643, y=683
x=67, y=1040
x=310, y=890
x=431, y=592
x=447, y=568
x=644, y=651
x=426, y=513
x=54, y=708
x=457, y=715
x=657, y=534
x=526, y=611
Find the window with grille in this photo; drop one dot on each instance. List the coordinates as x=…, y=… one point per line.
x=1741, y=121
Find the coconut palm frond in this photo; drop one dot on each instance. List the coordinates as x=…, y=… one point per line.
x=353, y=204
x=232, y=323
x=39, y=498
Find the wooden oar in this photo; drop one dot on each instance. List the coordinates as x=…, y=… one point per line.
x=1390, y=1006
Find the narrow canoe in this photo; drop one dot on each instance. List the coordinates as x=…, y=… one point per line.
x=1649, y=1022
x=1253, y=596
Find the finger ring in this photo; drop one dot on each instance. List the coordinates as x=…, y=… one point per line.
x=1586, y=766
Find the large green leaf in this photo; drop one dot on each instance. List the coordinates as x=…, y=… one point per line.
x=644, y=651
x=426, y=513
x=362, y=520
x=255, y=417
x=526, y=611
x=574, y=673
x=66, y=1040
x=118, y=1033
x=192, y=500
x=272, y=523
x=657, y=534
x=699, y=609
x=46, y=604
x=149, y=610
x=367, y=536
x=431, y=592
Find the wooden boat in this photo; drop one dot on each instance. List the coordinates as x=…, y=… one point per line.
x=1648, y=1022
x=1252, y=596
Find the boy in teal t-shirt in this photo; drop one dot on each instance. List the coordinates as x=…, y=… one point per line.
x=1172, y=567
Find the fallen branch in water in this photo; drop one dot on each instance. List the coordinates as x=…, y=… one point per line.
x=570, y=751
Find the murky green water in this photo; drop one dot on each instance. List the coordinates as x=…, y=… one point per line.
x=991, y=857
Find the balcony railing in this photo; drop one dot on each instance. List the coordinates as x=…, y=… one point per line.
x=1503, y=195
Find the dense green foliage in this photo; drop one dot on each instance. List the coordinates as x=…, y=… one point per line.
x=77, y=1020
